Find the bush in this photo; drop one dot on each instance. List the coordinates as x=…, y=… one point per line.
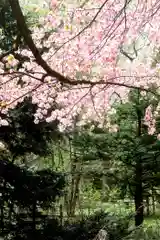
x=144, y=233
x=88, y=228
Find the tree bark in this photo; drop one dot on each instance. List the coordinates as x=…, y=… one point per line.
x=147, y=205
x=22, y=26
x=153, y=202
x=34, y=215
x=139, y=195
x=138, y=198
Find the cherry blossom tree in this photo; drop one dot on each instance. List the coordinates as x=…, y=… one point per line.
x=92, y=52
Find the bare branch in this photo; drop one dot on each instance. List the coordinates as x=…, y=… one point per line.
x=126, y=54
x=85, y=28
x=112, y=29
x=108, y=82
x=25, y=94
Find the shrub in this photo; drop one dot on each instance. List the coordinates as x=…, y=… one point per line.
x=87, y=229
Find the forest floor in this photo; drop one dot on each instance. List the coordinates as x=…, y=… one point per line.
x=122, y=209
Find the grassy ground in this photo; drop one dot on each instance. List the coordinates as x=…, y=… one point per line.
x=149, y=231
x=151, y=226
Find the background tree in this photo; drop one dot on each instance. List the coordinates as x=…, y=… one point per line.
x=127, y=149
x=25, y=193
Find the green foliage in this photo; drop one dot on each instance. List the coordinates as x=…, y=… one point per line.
x=8, y=28
x=30, y=193
x=113, y=156
x=10, y=37
x=90, y=195
x=145, y=233
x=22, y=135
x=26, y=194
x=88, y=228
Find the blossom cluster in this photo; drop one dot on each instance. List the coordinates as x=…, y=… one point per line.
x=88, y=43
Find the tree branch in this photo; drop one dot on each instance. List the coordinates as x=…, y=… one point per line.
x=17, y=13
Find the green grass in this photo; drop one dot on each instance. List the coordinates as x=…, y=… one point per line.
x=149, y=231
x=153, y=220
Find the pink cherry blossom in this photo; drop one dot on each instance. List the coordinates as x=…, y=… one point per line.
x=94, y=55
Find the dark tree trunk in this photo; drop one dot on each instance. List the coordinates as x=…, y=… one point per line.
x=139, y=195
x=147, y=206
x=34, y=216
x=61, y=214
x=153, y=202
x=76, y=166
x=2, y=206
x=138, y=198
x=73, y=196
x=2, y=218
